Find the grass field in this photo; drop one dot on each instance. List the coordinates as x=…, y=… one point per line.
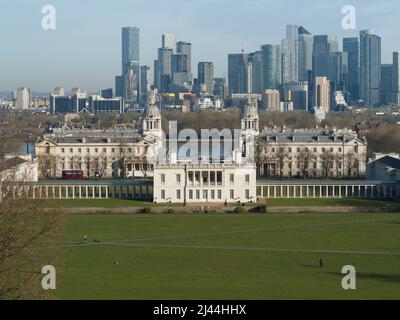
x=249, y=256
x=115, y=203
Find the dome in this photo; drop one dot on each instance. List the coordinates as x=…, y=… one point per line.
x=152, y=112
x=250, y=108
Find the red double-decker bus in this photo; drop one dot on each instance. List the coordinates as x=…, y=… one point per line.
x=72, y=174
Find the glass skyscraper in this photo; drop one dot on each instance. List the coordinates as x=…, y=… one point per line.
x=370, y=68
x=290, y=54
x=130, y=48
x=131, y=63
x=271, y=66
x=352, y=47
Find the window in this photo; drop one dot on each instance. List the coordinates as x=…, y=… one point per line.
x=197, y=194
x=71, y=150
x=163, y=194
x=96, y=150
x=162, y=178
x=247, y=193
x=190, y=176
x=219, y=194
x=247, y=178
x=212, y=194
x=178, y=178
x=232, y=194
x=231, y=177
x=87, y=150
x=79, y=150
x=178, y=194
x=104, y=150
x=191, y=194
x=62, y=150
x=205, y=194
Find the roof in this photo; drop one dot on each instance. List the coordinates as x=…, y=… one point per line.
x=389, y=161
x=13, y=162
x=306, y=137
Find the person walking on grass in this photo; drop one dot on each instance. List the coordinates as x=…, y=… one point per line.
x=321, y=263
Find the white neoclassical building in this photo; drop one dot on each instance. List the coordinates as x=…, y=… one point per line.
x=199, y=182
x=112, y=153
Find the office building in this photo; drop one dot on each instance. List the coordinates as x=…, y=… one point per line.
x=206, y=75
x=168, y=41
x=322, y=93
x=306, y=43
x=271, y=100
x=239, y=73
x=185, y=48
x=107, y=93
x=352, y=47
x=290, y=54
x=386, y=89
x=370, y=65
x=271, y=66
x=255, y=58
x=396, y=79
x=145, y=85
x=297, y=92
x=23, y=98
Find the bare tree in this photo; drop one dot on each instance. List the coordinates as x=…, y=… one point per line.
x=350, y=159
x=25, y=230
x=281, y=157
x=327, y=159
x=47, y=166
x=304, y=159
x=259, y=155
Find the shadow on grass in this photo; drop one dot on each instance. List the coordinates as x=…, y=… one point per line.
x=373, y=276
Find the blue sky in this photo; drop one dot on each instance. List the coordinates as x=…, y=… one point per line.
x=85, y=48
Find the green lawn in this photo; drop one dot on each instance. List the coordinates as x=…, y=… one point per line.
x=98, y=203
x=115, y=203
x=332, y=202
x=246, y=256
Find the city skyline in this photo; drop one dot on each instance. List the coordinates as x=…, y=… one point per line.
x=91, y=51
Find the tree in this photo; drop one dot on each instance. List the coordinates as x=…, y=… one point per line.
x=26, y=229
x=47, y=166
x=281, y=156
x=327, y=162
x=350, y=159
x=304, y=158
x=259, y=155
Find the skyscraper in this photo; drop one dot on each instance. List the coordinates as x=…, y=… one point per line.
x=169, y=41
x=306, y=43
x=332, y=65
x=370, y=65
x=352, y=47
x=239, y=73
x=206, y=75
x=386, y=88
x=396, y=78
x=321, y=44
x=130, y=48
x=322, y=93
x=130, y=62
x=144, y=83
x=271, y=66
x=23, y=98
x=255, y=58
x=165, y=68
x=290, y=54
x=185, y=48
